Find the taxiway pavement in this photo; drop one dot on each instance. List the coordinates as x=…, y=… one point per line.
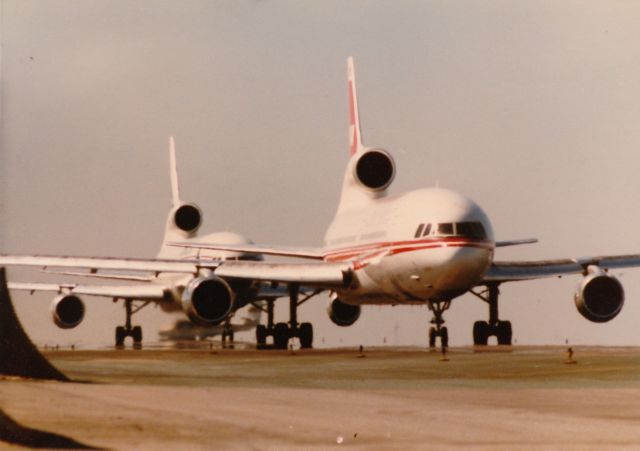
x=385, y=398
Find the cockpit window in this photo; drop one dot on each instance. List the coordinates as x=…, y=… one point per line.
x=471, y=230
x=445, y=228
x=419, y=231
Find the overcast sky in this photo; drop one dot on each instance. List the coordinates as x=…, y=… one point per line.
x=532, y=108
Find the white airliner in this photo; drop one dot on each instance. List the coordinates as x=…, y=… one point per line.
x=427, y=246
x=166, y=280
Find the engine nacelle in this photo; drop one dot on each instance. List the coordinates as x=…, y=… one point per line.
x=187, y=217
x=343, y=314
x=207, y=301
x=374, y=170
x=599, y=297
x=67, y=311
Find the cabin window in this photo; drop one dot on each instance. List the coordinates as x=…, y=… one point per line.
x=419, y=231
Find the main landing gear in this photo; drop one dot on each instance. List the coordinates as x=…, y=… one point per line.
x=283, y=332
x=127, y=330
x=482, y=330
x=227, y=334
x=438, y=330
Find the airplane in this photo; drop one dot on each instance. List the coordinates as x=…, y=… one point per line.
x=167, y=286
x=424, y=247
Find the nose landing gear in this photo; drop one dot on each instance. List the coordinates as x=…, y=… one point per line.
x=438, y=330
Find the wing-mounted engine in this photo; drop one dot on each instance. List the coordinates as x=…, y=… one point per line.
x=600, y=296
x=207, y=301
x=374, y=170
x=67, y=311
x=343, y=314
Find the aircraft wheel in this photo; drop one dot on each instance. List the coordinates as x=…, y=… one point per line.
x=432, y=337
x=480, y=333
x=136, y=334
x=120, y=336
x=280, y=336
x=444, y=337
x=504, y=332
x=306, y=335
x=261, y=336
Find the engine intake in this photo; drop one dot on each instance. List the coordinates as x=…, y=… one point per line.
x=375, y=170
x=343, y=314
x=599, y=297
x=67, y=311
x=187, y=217
x=207, y=301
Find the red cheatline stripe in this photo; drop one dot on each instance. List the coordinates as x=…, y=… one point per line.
x=384, y=244
x=394, y=250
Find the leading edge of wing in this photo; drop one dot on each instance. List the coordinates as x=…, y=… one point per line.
x=316, y=274
x=511, y=271
x=138, y=292
x=125, y=264
x=282, y=251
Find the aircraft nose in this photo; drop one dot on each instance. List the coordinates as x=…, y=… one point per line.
x=464, y=266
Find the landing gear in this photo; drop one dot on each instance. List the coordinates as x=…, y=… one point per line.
x=127, y=330
x=438, y=330
x=227, y=334
x=283, y=332
x=482, y=330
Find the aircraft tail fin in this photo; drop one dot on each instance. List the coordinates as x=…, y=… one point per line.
x=184, y=219
x=355, y=135
x=370, y=170
x=175, y=188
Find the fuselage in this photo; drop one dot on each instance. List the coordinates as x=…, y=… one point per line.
x=427, y=244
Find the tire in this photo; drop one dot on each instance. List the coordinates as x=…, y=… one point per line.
x=444, y=337
x=136, y=333
x=261, y=336
x=306, y=335
x=280, y=336
x=120, y=336
x=504, y=332
x=480, y=333
x=432, y=337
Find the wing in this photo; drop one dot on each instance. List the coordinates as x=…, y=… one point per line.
x=119, y=264
x=529, y=270
x=316, y=274
x=311, y=274
x=283, y=251
x=151, y=292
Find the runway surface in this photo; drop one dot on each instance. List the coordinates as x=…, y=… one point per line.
x=385, y=398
